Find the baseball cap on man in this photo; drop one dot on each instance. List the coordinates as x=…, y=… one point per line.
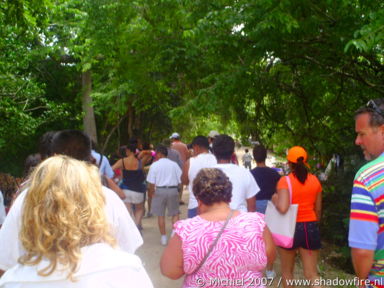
x=295, y=153
x=174, y=135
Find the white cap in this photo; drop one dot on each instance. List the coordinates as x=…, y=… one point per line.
x=175, y=135
x=213, y=134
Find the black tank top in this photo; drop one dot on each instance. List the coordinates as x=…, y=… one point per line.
x=134, y=179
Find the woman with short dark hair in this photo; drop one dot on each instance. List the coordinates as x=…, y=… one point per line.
x=219, y=243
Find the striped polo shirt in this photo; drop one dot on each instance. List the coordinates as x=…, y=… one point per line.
x=366, y=225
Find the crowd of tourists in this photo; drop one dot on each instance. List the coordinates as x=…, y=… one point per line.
x=76, y=221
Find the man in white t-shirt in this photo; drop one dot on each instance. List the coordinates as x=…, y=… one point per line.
x=201, y=159
x=164, y=179
x=244, y=186
x=75, y=144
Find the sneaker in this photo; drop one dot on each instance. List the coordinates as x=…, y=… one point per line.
x=163, y=240
x=149, y=215
x=270, y=274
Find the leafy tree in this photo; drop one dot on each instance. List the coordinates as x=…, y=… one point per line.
x=23, y=108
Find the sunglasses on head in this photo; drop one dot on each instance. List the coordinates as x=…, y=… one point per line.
x=372, y=105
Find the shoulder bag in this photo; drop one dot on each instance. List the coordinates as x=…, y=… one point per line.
x=282, y=226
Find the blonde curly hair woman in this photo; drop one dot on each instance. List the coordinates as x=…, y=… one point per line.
x=66, y=235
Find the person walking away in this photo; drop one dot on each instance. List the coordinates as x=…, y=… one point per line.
x=145, y=155
x=76, y=144
x=220, y=243
x=164, y=179
x=306, y=191
x=179, y=146
x=133, y=184
x=173, y=154
x=106, y=173
x=244, y=186
x=201, y=159
x=267, y=179
x=102, y=162
x=211, y=136
x=366, y=236
x=184, y=155
x=247, y=159
x=61, y=248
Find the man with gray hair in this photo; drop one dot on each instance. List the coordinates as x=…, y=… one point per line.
x=366, y=233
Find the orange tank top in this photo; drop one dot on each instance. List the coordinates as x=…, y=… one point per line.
x=303, y=194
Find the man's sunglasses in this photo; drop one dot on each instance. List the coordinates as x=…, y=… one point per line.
x=372, y=105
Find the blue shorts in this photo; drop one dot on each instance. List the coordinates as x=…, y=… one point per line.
x=192, y=212
x=261, y=206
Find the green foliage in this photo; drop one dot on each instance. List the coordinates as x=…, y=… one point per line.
x=32, y=94
x=280, y=69
x=370, y=36
x=282, y=72
x=336, y=208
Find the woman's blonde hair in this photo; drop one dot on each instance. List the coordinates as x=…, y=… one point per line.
x=63, y=212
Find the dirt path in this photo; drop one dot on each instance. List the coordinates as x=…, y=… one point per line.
x=151, y=251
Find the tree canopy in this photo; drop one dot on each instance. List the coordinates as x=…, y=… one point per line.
x=283, y=72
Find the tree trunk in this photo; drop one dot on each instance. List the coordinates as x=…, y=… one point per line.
x=89, y=121
x=130, y=113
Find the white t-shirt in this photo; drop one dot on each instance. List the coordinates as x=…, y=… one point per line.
x=104, y=168
x=244, y=185
x=204, y=160
x=125, y=231
x=101, y=266
x=2, y=209
x=164, y=172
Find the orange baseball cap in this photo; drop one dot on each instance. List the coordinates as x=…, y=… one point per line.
x=295, y=153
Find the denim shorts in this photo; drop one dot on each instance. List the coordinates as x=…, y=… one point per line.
x=261, y=206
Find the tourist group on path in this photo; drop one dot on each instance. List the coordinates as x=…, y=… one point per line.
x=77, y=221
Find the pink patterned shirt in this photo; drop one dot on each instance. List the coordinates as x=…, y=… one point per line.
x=238, y=259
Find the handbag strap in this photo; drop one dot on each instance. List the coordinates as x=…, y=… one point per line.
x=289, y=188
x=101, y=160
x=214, y=243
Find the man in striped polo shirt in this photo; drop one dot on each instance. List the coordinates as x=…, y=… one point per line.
x=366, y=226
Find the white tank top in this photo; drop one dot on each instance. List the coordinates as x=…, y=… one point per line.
x=204, y=160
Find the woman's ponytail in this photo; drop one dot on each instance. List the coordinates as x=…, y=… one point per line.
x=300, y=170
